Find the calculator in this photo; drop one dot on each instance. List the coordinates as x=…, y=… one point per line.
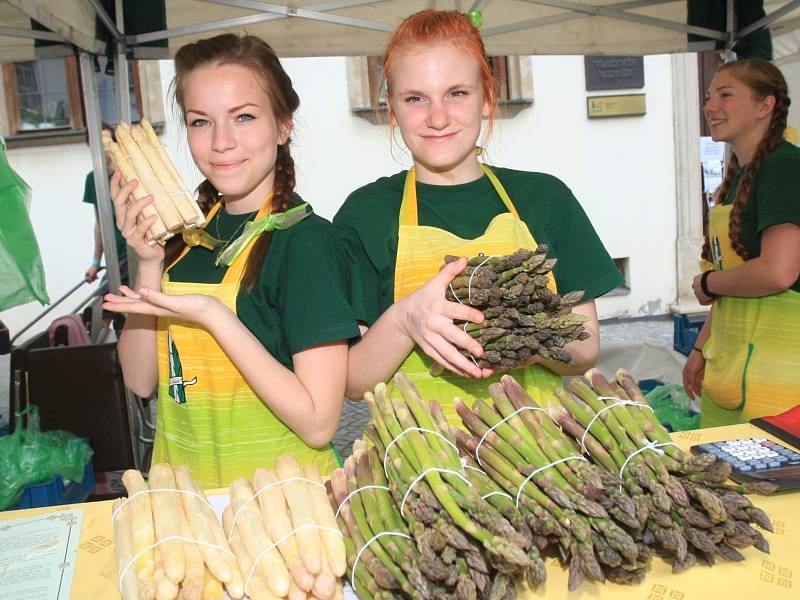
x=757, y=459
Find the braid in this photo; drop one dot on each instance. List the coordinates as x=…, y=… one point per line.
x=282, y=194
x=772, y=137
x=284, y=179
x=719, y=197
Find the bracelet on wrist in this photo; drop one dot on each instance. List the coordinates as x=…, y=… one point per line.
x=96, y=262
x=697, y=349
x=704, y=285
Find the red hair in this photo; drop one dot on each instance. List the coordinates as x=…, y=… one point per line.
x=451, y=27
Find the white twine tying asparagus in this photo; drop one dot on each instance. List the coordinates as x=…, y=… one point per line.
x=619, y=402
x=285, y=545
x=358, y=491
x=654, y=446
x=366, y=544
x=263, y=489
x=181, y=538
x=169, y=539
x=421, y=476
x=496, y=425
x=420, y=430
x=544, y=468
x=274, y=545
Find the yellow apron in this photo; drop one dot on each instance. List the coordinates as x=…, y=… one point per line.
x=420, y=255
x=209, y=418
x=753, y=352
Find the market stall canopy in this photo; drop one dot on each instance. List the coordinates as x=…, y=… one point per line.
x=156, y=28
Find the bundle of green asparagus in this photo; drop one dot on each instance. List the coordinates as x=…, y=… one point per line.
x=523, y=317
x=414, y=523
x=568, y=501
x=640, y=494
x=685, y=508
x=431, y=511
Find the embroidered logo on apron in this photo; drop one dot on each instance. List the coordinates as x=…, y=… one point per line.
x=716, y=251
x=177, y=384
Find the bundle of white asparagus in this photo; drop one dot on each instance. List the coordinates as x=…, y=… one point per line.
x=138, y=154
x=280, y=543
x=153, y=533
x=290, y=530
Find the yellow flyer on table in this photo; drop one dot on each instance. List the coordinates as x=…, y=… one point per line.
x=38, y=555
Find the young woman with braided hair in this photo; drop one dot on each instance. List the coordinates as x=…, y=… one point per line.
x=244, y=328
x=746, y=362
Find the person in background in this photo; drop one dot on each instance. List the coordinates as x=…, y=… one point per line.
x=398, y=229
x=245, y=336
x=746, y=361
x=90, y=197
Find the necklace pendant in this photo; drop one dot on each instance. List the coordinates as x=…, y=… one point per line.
x=200, y=237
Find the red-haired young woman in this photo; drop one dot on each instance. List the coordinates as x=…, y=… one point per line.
x=399, y=228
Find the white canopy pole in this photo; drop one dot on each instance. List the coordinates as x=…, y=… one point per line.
x=121, y=82
x=104, y=209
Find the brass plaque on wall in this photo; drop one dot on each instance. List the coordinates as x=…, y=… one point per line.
x=615, y=106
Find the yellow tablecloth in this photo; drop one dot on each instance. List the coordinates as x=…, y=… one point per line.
x=760, y=577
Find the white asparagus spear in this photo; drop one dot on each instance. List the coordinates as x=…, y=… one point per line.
x=147, y=176
x=278, y=523
x=182, y=198
x=332, y=542
x=154, y=141
x=339, y=595
x=141, y=517
x=123, y=548
x=301, y=507
x=166, y=589
x=157, y=230
x=202, y=521
x=256, y=589
x=194, y=579
x=269, y=562
x=174, y=192
x=212, y=590
x=166, y=517
x=325, y=584
x=235, y=586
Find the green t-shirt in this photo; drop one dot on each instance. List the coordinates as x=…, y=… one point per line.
x=773, y=197
x=300, y=298
x=368, y=225
x=90, y=197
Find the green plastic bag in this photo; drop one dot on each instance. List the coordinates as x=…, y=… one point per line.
x=21, y=269
x=31, y=457
x=673, y=407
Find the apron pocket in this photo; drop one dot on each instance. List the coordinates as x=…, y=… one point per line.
x=725, y=380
